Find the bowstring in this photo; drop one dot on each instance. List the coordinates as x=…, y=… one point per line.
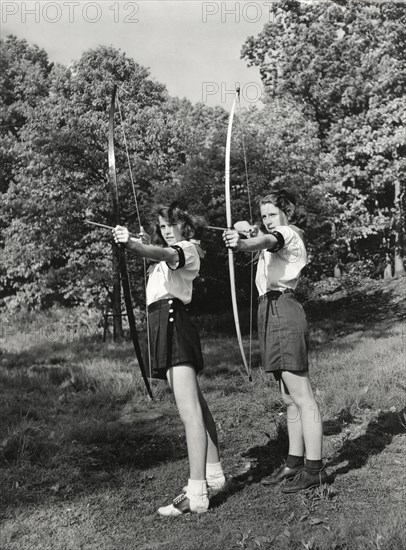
x=241, y=126
x=122, y=124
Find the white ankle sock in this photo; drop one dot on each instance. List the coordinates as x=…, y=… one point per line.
x=196, y=492
x=215, y=475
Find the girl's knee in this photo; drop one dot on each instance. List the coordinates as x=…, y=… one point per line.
x=308, y=406
x=302, y=400
x=299, y=394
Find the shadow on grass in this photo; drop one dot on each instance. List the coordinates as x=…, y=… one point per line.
x=101, y=456
x=371, y=306
x=92, y=445
x=133, y=447
x=263, y=460
x=379, y=434
x=60, y=435
x=335, y=425
x=356, y=452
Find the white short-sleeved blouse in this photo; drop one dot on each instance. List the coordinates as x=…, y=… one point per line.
x=174, y=280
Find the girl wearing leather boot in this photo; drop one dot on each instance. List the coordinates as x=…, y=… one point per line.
x=283, y=335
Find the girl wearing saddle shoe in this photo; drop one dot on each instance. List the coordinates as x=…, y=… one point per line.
x=283, y=335
x=175, y=346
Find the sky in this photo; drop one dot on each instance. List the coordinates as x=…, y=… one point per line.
x=193, y=47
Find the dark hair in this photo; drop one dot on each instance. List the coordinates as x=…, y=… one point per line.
x=286, y=201
x=176, y=212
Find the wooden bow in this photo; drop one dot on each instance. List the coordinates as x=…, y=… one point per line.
x=230, y=226
x=125, y=281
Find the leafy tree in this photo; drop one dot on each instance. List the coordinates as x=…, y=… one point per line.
x=277, y=146
x=370, y=154
x=24, y=71
x=342, y=60
x=50, y=254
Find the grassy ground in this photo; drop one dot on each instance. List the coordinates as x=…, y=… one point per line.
x=86, y=459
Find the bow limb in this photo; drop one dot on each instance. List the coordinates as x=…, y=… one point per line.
x=125, y=281
x=230, y=226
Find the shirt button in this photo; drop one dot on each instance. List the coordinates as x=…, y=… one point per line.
x=171, y=319
x=170, y=301
x=171, y=311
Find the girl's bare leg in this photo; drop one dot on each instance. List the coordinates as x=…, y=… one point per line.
x=294, y=423
x=212, y=440
x=301, y=393
x=183, y=382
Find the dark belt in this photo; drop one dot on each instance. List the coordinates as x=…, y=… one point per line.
x=274, y=294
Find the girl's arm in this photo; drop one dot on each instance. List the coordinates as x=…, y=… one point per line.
x=152, y=252
x=141, y=248
x=232, y=240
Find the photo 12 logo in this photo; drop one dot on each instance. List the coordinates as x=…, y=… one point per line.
x=250, y=92
x=69, y=12
x=237, y=12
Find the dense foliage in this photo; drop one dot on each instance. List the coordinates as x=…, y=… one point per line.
x=332, y=130
x=345, y=62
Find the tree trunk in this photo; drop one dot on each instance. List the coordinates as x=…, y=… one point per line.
x=398, y=230
x=116, y=298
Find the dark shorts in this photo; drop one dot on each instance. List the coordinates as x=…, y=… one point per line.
x=173, y=338
x=283, y=333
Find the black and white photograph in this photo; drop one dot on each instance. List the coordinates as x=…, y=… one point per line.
x=202, y=275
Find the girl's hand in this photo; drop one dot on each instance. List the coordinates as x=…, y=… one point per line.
x=231, y=238
x=144, y=238
x=121, y=234
x=246, y=229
